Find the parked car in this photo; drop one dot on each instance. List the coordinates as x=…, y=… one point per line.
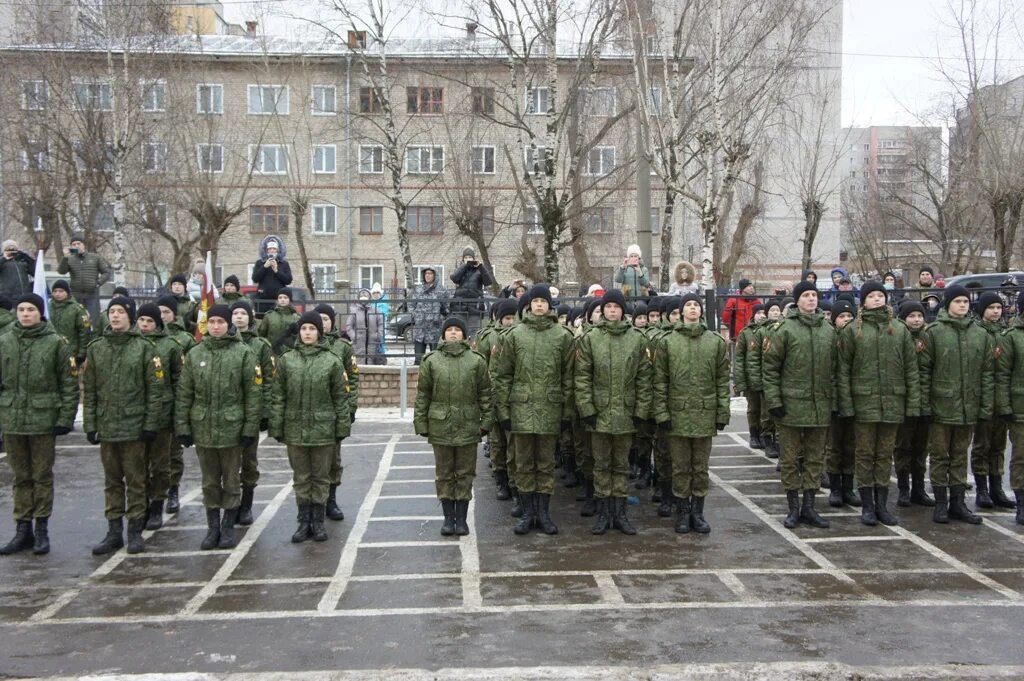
x=985, y=279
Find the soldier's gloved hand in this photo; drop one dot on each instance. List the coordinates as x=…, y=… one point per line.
x=352, y=418
x=925, y=418
x=566, y=425
x=590, y=421
x=665, y=425
x=93, y=437
x=506, y=425
x=720, y=427
x=147, y=436
x=80, y=361
x=247, y=441
x=61, y=430
x=1009, y=418
x=777, y=412
x=185, y=440
x=638, y=422
x=293, y=329
x=264, y=424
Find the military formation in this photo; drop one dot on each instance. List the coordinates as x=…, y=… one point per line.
x=616, y=393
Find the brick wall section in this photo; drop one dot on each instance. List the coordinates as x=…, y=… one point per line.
x=379, y=386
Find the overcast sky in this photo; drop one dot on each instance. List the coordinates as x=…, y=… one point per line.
x=890, y=50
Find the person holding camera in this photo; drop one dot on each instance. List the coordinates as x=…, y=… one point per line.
x=16, y=271
x=632, y=277
x=470, y=278
x=271, y=273
x=88, y=272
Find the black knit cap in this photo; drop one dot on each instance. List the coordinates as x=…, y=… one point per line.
x=774, y=302
x=562, y=309
x=151, y=310
x=507, y=307
x=232, y=279
x=325, y=309
x=987, y=298
x=592, y=304
x=843, y=305
x=61, y=284
x=803, y=287
x=33, y=300
x=687, y=298
x=313, y=318
x=909, y=306
x=125, y=303
x=639, y=309
x=538, y=291
x=120, y=291
x=927, y=269
x=170, y=302
x=668, y=304
x=953, y=292
x=758, y=308
x=825, y=305
x=243, y=305
x=286, y=291
x=455, y=321
x=870, y=286
x=613, y=296
x=178, y=279
x=6, y=303
x=222, y=311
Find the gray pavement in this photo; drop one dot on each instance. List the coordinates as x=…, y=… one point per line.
x=388, y=597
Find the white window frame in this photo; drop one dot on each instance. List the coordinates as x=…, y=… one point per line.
x=315, y=102
x=107, y=206
x=534, y=166
x=321, y=211
x=531, y=216
x=259, y=90
x=41, y=154
x=367, y=278
x=328, y=271
x=150, y=86
x=162, y=166
x=257, y=158
x=656, y=100
x=473, y=159
x=534, y=98
x=216, y=99
x=372, y=167
x=334, y=159
x=104, y=85
x=373, y=211
x=38, y=105
x=604, y=90
x=602, y=170
x=599, y=212
x=436, y=158
x=200, y=147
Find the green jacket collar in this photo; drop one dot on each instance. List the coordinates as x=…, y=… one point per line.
x=541, y=323
x=691, y=330
x=222, y=342
x=614, y=328
x=453, y=348
x=38, y=331
x=960, y=324
x=121, y=336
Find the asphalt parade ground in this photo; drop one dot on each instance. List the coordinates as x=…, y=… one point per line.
x=388, y=597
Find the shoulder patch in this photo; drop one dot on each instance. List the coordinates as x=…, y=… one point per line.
x=158, y=368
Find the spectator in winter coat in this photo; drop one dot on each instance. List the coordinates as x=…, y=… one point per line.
x=428, y=309
x=632, y=276
x=271, y=273
x=685, y=280
x=88, y=272
x=16, y=270
x=740, y=310
x=471, y=278
x=365, y=327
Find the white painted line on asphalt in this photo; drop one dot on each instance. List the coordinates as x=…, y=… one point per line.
x=395, y=518
x=346, y=562
x=408, y=544
x=414, y=451
x=472, y=598
x=406, y=578
x=409, y=482
x=990, y=522
x=766, y=496
x=735, y=456
x=408, y=496
x=178, y=554
x=752, y=465
x=755, y=481
x=409, y=468
x=238, y=553
x=733, y=583
x=610, y=593
x=840, y=540
x=966, y=569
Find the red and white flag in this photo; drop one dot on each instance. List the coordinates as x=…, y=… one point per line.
x=206, y=298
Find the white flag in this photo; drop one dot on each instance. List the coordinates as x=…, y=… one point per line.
x=39, y=284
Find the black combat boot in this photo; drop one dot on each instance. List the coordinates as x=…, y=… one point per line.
x=212, y=538
x=903, y=484
x=697, y=521
x=941, y=512
x=461, y=515
x=173, y=505
x=572, y=474
x=589, y=503
x=604, y=520
x=683, y=516
x=918, y=495
x=155, y=515
x=302, y=532
x=981, y=497
x=1019, y=493
x=517, y=503
x=835, y=487
x=995, y=490
x=135, y=527
x=42, y=542
x=113, y=541
x=543, y=504
x=793, y=501
x=867, y=507
x=582, y=487
x=656, y=478
x=882, y=506
x=809, y=515
x=525, y=523
x=755, y=438
x=23, y=539
x=850, y=496
x=620, y=521
x=448, y=508
x=245, y=506
x=316, y=523
x=771, y=445
x=227, y=528
x=957, y=506
x=503, y=492
x=643, y=480
x=331, y=509
x=665, y=507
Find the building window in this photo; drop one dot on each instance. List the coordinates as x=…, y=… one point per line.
x=269, y=159
x=155, y=216
x=655, y=100
x=35, y=156
x=483, y=160
x=655, y=221
x=600, y=161
x=424, y=160
x=357, y=39
x=209, y=99
x=35, y=95
x=369, y=101
x=485, y=218
x=599, y=220
x=371, y=159
x=483, y=101
x=268, y=219
x=534, y=159
x=424, y=100
x=600, y=101
x=154, y=157
x=93, y=95
x=532, y=219
x=425, y=220
x=537, y=100
x=268, y=99
x=154, y=96
x=370, y=275
x=323, y=278
x=325, y=159
x=210, y=157
x=371, y=219
x=325, y=219
x=325, y=100
x=103, y=221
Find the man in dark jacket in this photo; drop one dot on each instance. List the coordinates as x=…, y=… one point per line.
x=88, y=272
x=271, y=273
x=428, y=309
x=16, y=270
x=471, y=278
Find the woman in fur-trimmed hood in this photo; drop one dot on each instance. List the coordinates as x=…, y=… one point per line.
x=685, y=280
